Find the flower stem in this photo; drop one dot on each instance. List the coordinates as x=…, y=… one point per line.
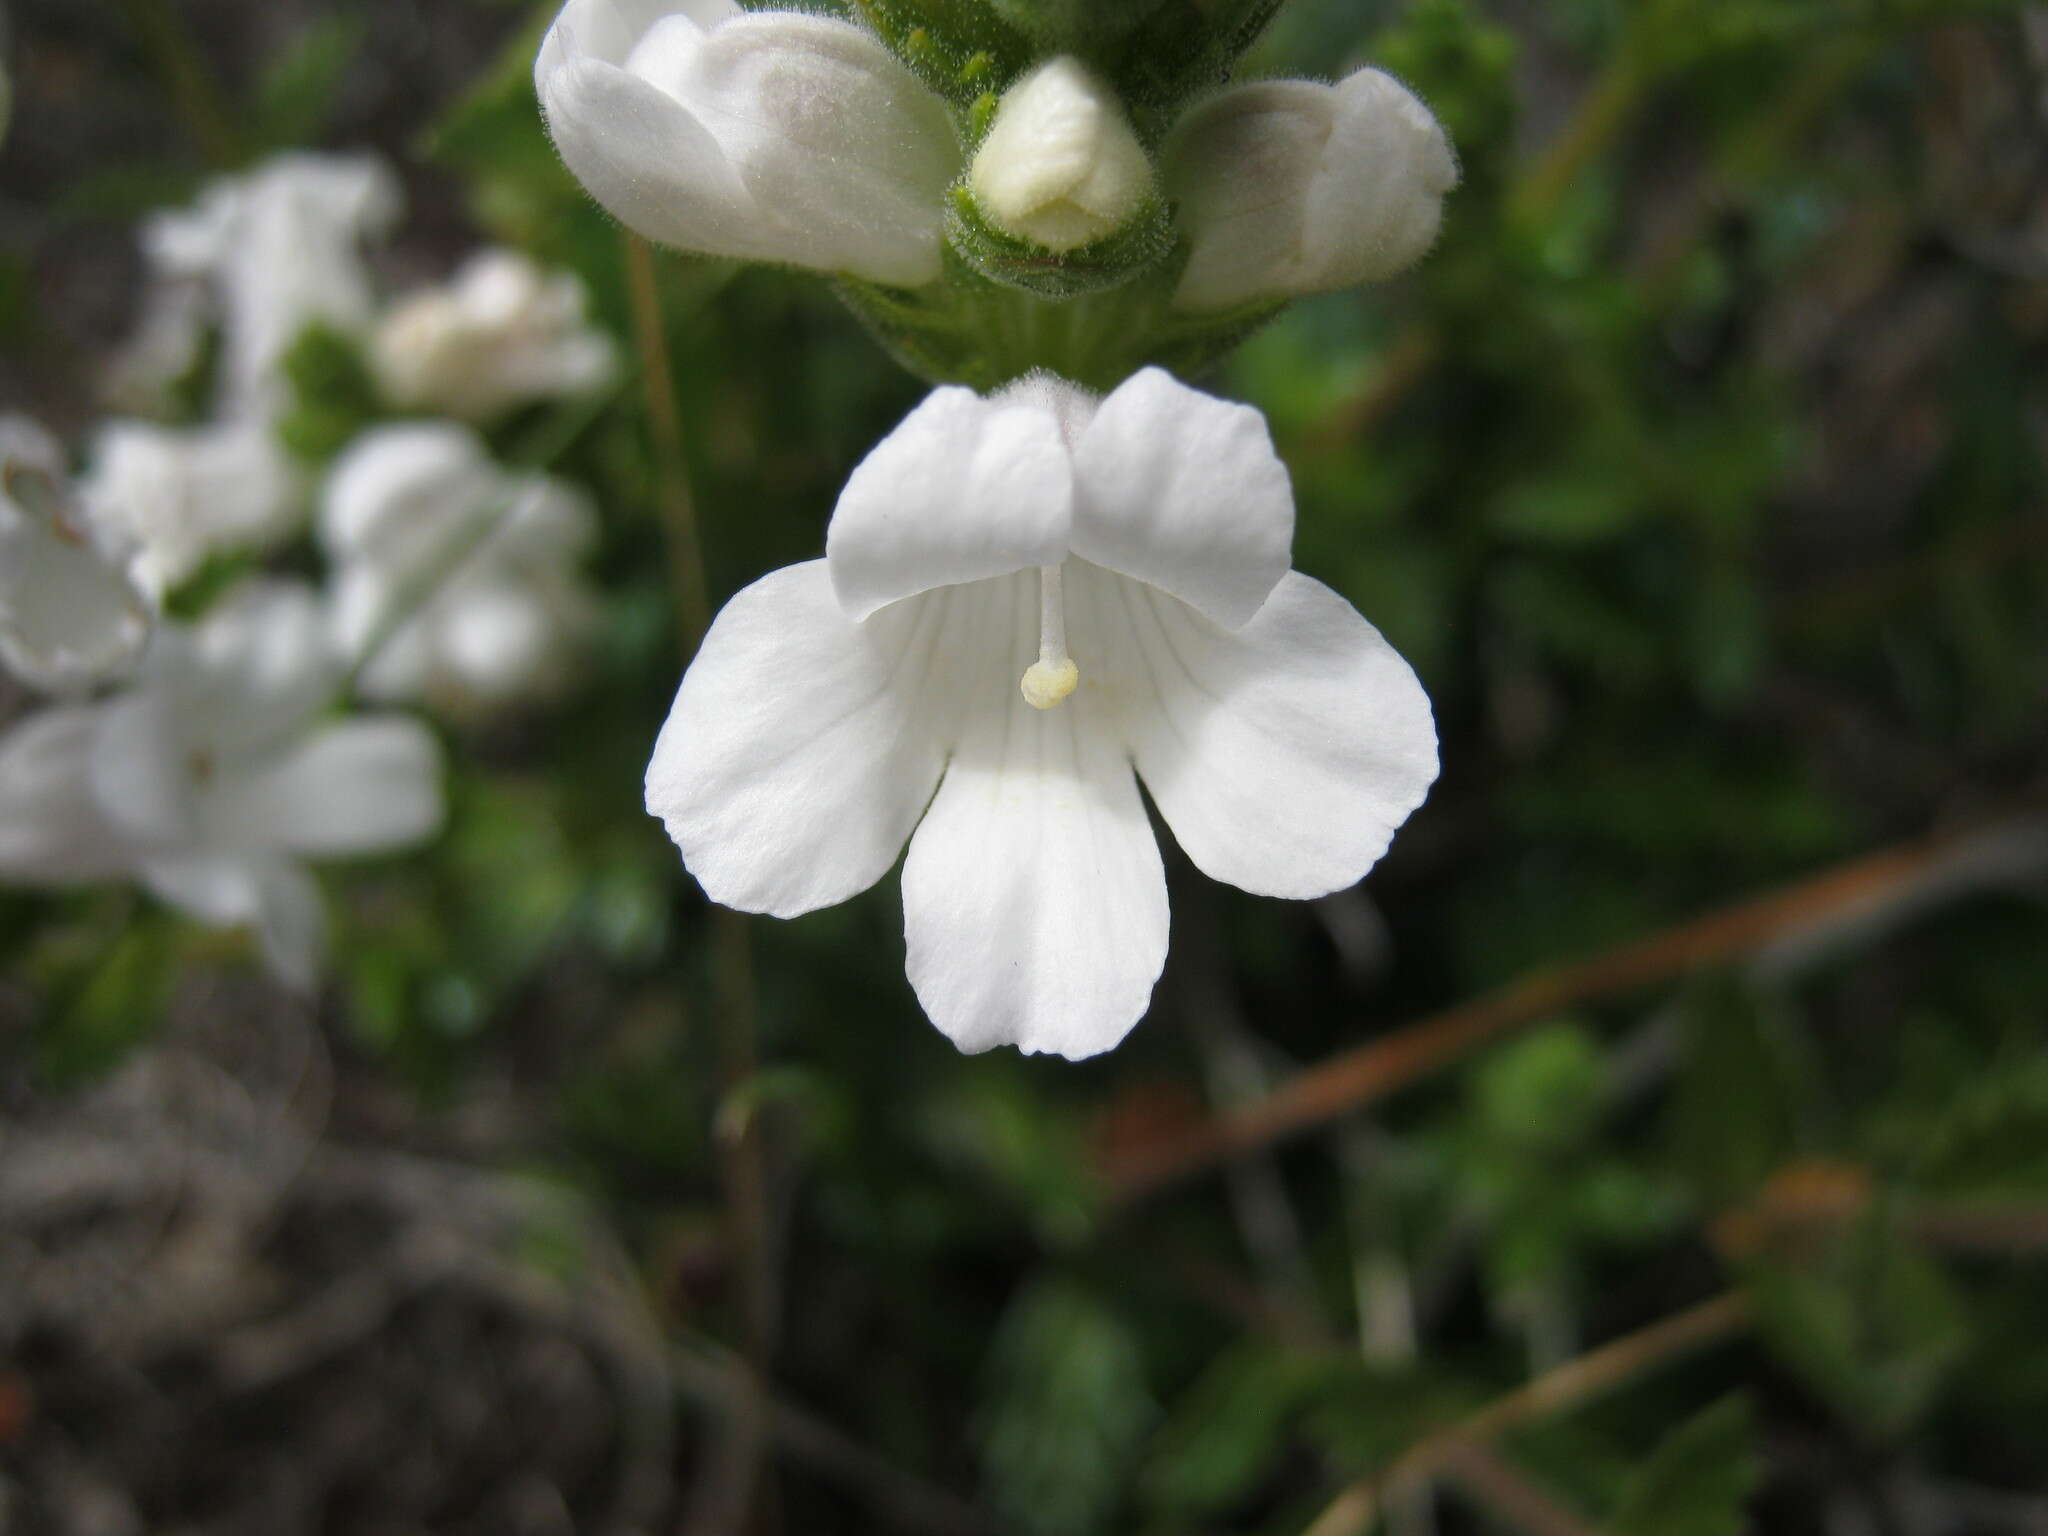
x=727, y=1494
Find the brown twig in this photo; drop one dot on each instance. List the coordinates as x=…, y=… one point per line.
x=1357, y=1077
x=725, y=1497
x=1577, y=1381
x=1510, y=1494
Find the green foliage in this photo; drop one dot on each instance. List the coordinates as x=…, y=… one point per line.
x=1698, y=473
x=1871, y=1322
x=334, y=397
x=297, y=91
x=1529, y=1161
x=1698, y=1481
x=1743, y=1094
x=1063, y=1411
x=1227, y=1429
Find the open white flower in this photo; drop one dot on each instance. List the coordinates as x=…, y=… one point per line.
x=775, y=136
x=1126, y=561
x=175, y=495
x=1288, y=187
x=214, y=777
x=281, y=247
x=502, y=334
x=69, y=614
x=455, y=580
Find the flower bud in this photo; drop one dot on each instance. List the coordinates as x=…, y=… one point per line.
x=1061, y=167
x=1289, y=187
x=771, y=135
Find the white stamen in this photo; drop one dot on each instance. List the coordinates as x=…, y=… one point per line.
x=1050, y=679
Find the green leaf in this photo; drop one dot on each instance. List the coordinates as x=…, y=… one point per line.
x=1066, y=1406
x=1230, y=1426
x=333, y=394
x=298, y=91
x=1697, y=1482
x=1871, y=1322
x=1735, y=1114
x=1993, y=1140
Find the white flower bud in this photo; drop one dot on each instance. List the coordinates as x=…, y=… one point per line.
x=766, y=136
x=1290, y=187
x=1061, y=166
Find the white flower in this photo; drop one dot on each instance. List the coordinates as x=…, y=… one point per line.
x=69, y=615
x=504, y=333
x=1129, y=556
x=417, y=514
x=1289, y=187
x=1060, y=166
x=211, y=779
x=777, y=136
x=175, y=495
x=281, y=247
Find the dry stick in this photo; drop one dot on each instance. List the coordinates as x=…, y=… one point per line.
x=1591, y=1375
x=725, y=1498
x=1358, y=1077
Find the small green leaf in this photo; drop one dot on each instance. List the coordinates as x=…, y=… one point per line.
x=1735, y=1115
x=1065, y=1409
x=1872, y=1323
x=1697, y=1482
x=1228, y=1429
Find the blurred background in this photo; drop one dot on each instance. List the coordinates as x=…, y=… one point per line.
x=1657, y=1142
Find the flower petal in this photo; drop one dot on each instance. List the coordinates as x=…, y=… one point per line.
x=276, y=897
x=1283, y=755
x=652, y=164
x=1288, y=187
x=69, y=615
x=366, y=785
x=1183, y=490
x=964, y=488
x=794, y=763
x=176, y=494
x=52, y=828
x=254, y=670
x=1034, y=901
x=771, y=137
x=606, y=30
x=841, y=146
x=398, y=493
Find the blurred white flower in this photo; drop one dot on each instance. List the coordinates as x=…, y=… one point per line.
x=69, y=614
x=1288, y=187
x=1129, y=558
x=455, y=580
x=1061, y=166
x=211, y=779
x=175, y=495
x=280, y=247
x=502, y=334
x=774, y=136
